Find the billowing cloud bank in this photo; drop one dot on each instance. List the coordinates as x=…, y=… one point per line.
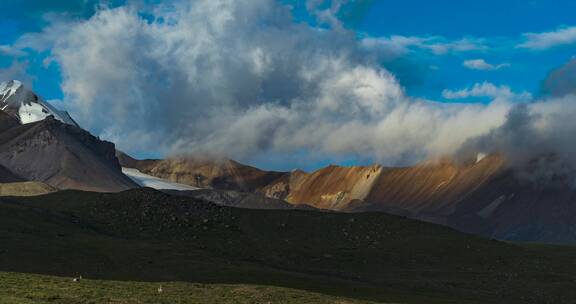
x=237, y=78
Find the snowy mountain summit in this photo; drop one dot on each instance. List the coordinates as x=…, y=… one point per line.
x=26, y=106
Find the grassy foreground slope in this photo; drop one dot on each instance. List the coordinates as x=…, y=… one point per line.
x=145, y=235
x=26, y=288
x=25, y=189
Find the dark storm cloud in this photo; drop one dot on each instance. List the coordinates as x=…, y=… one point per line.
x=561, y=81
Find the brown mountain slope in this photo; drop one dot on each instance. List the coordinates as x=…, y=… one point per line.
x=217, y=174
x=484, y=197
x=331, y=188
x=62, y=156
x=428, y=189
x=431, y=190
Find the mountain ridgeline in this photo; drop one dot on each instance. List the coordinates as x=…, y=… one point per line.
x=484, y=196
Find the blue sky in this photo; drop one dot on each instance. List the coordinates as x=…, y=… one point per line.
x=491, y=19
x=500, y=22
x=438, y=50
x=20, y=17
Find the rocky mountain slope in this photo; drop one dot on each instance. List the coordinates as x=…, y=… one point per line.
x=203, y=173
x=7, y=176
x=237, y=199
x=62, y=156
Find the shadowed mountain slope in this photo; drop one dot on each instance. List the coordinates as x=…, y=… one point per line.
x=514, y=209
x=7, y=176
x=62, y=156
x=238, y=199
x=40, y=143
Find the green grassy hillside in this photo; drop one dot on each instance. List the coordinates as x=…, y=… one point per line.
x=148, y=236
x=25, y=288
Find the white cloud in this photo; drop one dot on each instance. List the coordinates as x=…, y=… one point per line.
x=457, y=46
x=482, y=65
x=487, y=89
x=396, y=45
x=547, y=40
x=541, y=129
x=16, y=71
x=437, y=45
x=8, y=50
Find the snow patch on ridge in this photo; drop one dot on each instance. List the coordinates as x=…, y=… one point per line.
x=488, y=211
x=480, y=157
x=32, y=112
x=146, y=180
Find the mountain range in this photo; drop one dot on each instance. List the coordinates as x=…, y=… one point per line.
x=482, y=194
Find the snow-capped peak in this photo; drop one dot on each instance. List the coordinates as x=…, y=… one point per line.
x=9, y=88
x=26, y=106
